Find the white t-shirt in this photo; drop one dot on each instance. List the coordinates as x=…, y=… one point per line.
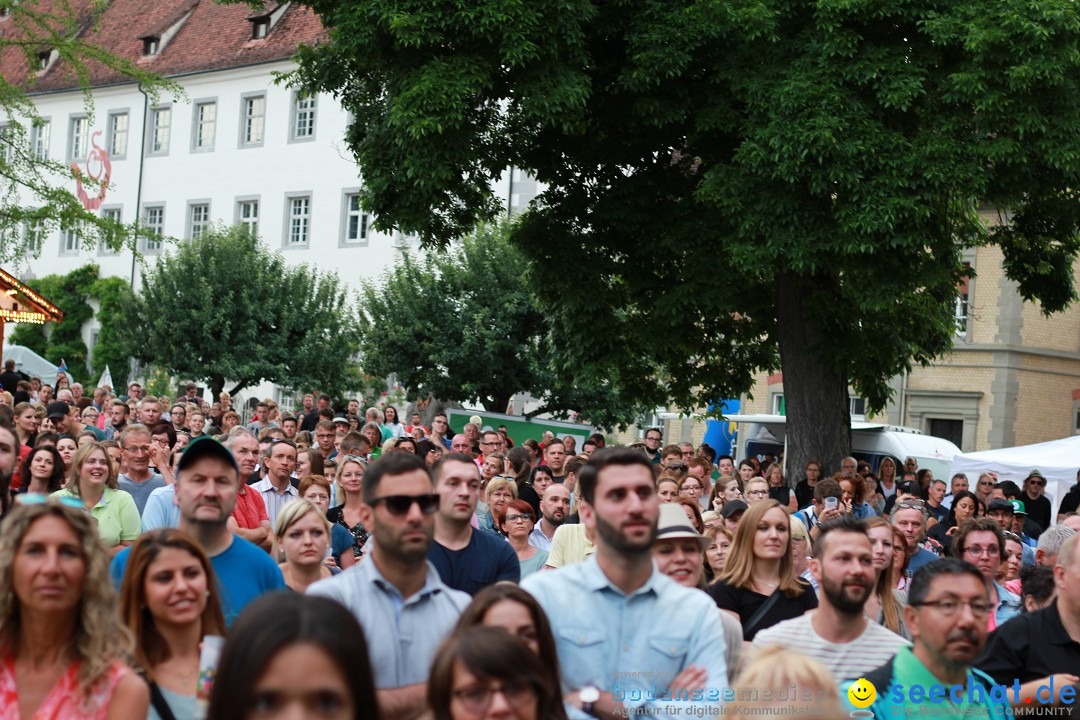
x=847, y=661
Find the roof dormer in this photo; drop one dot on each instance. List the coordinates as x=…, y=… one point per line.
x=157, y=39
x=263, y=20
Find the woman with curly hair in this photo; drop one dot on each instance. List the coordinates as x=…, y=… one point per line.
x=42, y=471
x=61, y=642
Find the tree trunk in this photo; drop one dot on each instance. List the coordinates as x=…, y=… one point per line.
x=217, y=384
x=815, y=395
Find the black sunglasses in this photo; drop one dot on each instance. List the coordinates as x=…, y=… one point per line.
x=401, y=504
x=681, y=467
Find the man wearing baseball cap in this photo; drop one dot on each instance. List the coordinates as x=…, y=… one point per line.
x=207, y=483
x=66, y=423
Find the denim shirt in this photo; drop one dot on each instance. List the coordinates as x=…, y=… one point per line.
x=632, y=645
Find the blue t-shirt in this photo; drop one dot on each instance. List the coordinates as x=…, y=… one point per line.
x=487, y=559
x=340, y=541
x=244, y=572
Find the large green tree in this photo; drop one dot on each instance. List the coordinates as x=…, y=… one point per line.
x=225, y=308
x=462, y=325
x=36, y=194
x=730, y=185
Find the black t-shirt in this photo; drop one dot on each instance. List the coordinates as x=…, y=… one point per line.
x=804, y=494
x=308, y=421
x=780, y=494
x=1030, y=647
x=1070, y=502
x=745, y=603
x=1038, y=509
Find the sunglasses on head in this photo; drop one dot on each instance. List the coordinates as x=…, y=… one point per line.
x=910, y=504
x=401, y=504
x=42, y=499
x=681, y=467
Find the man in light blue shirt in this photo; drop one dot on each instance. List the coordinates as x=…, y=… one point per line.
x=161, y=510
x=395, y=593
x=616, y=654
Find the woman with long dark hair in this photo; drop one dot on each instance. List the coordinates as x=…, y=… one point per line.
x=287, y=650
x=42, y=471
x=964, y=506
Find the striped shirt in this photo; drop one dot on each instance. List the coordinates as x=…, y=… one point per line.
x=273, y=499
x=847, y=661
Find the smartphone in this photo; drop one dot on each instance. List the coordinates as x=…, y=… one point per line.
x=831, y=503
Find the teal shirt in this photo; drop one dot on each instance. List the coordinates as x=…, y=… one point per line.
x=910, y=675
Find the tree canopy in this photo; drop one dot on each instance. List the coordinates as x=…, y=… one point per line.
x=730, y=186
x=462, y=325
x=34, y=199
x=225, y=308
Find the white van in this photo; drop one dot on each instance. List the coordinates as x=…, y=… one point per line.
x=872, y=442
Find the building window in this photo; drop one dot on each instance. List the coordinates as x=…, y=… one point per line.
x=299, y=220
x=151, y=45
x=43, y=59
x=254, y=120
x=303, y=124
x=33, y=236
x=356, y=220
x=260, y=28
x=951, y=430
x=42, y=130
x=205, y=125
x=160, y=126
x=154, y=220
x=778, y=405
x=198, y=219
x=7, y=143
x=247, y=214
x=962, y=304
x=107, y=237
x=69, y=242
x=118, y=134
x=80, y=138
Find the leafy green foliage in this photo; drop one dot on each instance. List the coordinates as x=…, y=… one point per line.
x=114, y=297
x=34, y=199
x=223, y=307
x=463, y=326
x=62, y=341
x=700, y=156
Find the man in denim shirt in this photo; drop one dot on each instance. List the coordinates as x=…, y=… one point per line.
x=629, y=638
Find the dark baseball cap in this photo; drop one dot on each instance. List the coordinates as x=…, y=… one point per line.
x=733, y=506
x=58, y=409
x=1000, y=504
x=206, y=446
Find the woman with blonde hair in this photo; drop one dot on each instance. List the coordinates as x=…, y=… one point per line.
x=886, y=603
x=302, y=536
x=316, y=489
x=787, y=682
x=759, y=585
x=756, y=490
x=800, y=551
x=92, y=480
x=229, y=420
x=350, y=482
x=499, y=492
x=169, y=601
x=778, y=488
x=62, y=646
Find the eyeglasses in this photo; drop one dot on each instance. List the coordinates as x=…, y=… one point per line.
x=489, y=444
x=977, y=551
x=986, y=483
x=911, y=505
x=950, y=606
x=758, y=493
x=477, y=698
x=401, y=504
x=651, y=438
x=681, y=467
x=518, y=518
x=1040, y=483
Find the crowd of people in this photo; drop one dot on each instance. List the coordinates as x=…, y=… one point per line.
x=366, y=569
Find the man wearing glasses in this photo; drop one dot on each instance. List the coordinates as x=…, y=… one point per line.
x=946, y=616
x=491, y=442
x=396, y=594
x=980, y=542
x=653, y=437
x=1037, y=504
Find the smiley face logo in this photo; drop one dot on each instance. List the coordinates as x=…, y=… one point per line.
x=862, y=693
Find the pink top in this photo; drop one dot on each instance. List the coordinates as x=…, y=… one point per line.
x=64, y=701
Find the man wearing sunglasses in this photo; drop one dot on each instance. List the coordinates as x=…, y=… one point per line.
x=1035, y=500
x=396, y=594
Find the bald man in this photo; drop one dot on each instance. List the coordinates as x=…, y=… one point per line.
x=554, y=507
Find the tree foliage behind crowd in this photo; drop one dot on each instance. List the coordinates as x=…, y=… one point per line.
x=63, y=341
x=223, y=307
x=463, y=325
x=730, y=186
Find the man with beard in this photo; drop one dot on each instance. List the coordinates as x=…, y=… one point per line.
x=838, y=634
x=553, y=508
x=615, y=658
x=207, y=481
x=396, y=594
x=946, y=616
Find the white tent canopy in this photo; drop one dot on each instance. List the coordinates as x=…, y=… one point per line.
x=29, y=362
x=1057, y=460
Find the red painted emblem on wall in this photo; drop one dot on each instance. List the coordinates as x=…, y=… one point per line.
x=98, y=168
